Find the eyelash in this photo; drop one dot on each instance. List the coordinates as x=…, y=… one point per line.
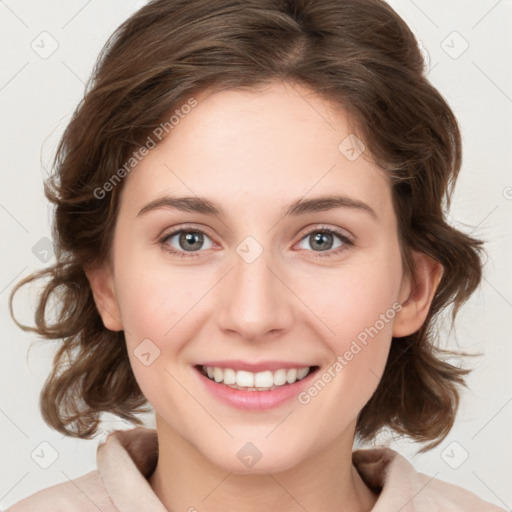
x=347, y=242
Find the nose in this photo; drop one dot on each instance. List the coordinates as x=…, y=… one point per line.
x=255, y=301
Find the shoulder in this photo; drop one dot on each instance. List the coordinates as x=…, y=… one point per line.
x=401, y=487
x=84, y=494
x=124, y=462
x=448, y=495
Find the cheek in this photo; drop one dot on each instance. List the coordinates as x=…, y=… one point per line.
x=154, y=313
x=357, y=301
x=153, y=298
x=358, y=305
x=359, y=349
x=364, y=315
x=160, y=310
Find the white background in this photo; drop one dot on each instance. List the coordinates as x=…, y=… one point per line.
x=37, y=97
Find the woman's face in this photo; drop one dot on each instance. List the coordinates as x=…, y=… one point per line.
x=277, y=279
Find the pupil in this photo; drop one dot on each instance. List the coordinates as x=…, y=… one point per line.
x=188, y=238
x=320, y=239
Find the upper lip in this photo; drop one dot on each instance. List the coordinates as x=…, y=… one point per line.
x=254, y=367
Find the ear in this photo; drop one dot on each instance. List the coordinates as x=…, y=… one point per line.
x=416, y=295
x=102, y=285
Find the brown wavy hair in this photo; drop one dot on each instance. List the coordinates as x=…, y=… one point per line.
x=360, y=55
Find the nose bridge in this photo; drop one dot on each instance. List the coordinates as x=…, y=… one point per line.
x=255, y=301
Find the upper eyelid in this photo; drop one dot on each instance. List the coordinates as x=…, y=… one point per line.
x=324, y=227
x=178, y=229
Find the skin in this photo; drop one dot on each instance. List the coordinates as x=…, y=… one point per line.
x=253, y=153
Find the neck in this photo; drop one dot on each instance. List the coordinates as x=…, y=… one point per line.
x=185, y=480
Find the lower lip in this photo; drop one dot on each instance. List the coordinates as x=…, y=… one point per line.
x=255, y=400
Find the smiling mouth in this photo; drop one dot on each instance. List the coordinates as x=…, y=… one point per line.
x=259, y=381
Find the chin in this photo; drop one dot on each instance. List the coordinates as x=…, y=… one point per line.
x=252, y=458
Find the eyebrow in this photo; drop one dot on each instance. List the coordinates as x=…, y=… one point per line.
x=298, y=207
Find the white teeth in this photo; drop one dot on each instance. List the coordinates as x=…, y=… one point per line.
x=302, y=373
x=229, y=376
x=244, y=379
x=291, y=376
x=280, y=377
x=218, y=374
x=265, y=380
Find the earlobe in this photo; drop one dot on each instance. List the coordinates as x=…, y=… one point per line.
x=101, y=282
x=418, y=292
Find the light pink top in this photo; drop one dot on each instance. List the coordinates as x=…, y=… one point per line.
x=127, y=459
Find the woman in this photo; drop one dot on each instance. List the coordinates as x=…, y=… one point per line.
x=250, y=238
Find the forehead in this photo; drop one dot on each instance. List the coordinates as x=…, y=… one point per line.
x=270, y=145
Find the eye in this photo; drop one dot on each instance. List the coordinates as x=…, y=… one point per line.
x=188, y=242
x=323, y=240
x=183, y=241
